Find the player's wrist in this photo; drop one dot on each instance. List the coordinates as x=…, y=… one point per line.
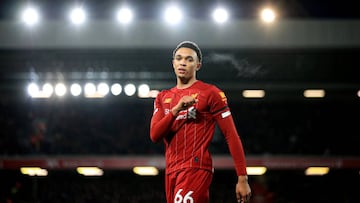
x=243, y=179
x=175, y=111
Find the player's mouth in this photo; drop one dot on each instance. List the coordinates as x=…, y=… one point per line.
x=182, y=70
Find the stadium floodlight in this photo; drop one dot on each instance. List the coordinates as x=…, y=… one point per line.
x=256, y=170
x=30, y=16
x=77, y=16
x=314, y=93
x=143, y=90
x=34, y=171
x=220, y=15
x=146, y=170
x=47, y=89
x=173, y=15
x=90, y=171
x=253, y=93
x=103, y=89
x=130, y=89
x=116, y=89
x=124, y=15
x=60, y=89
x=33, y=89
x=322, y=170
x=90, y=89
x=75, y=89
x=268, y=15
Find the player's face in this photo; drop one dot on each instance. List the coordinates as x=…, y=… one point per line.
x=186, y=63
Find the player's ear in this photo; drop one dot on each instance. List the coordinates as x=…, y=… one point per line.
x=198, y=66
x=172, y=61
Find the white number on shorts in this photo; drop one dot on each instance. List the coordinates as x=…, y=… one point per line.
x=186, y=199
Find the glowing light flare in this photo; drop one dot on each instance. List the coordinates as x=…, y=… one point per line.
x=48, y=89
x=256, y=170
x=268, y=15
x=314, y=93
x=75, y=89
x=124, y=15
x=146, y=170
x=317, y=171
x=33, y=171
x=90, y=171
x=130, y=89
x=173, y=15
x=253, y=93
x=116, y=89
x=89, y=89
x=30, y=16
x=143, y=90
x=103, y=89
x=60, y=89
x=220, y=15
x=77, y=16
x=33, y=89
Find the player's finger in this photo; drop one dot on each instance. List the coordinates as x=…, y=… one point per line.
x=238, y=197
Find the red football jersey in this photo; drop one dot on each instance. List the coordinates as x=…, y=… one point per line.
x=188, y=135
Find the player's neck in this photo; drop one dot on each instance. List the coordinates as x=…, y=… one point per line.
x=182, y=84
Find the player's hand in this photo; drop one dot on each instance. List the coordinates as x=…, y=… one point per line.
x=243, y=191
x=184, y=103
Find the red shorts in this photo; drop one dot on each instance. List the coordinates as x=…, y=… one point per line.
x=190, y=185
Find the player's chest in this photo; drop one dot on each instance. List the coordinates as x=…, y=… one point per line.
x=171, y=99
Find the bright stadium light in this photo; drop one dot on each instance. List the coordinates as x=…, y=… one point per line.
x=48, y=89
x=33, y=89
x=173, y=15
x=253, y=93
x=268, y=15
x=60, y=89
x=75, y=89
x=34, y=171
x=256, y=170
x=314, y=93
x=90, y=89
x=146, y=170
x=143, y=90
x=116, y=89
x=124, y=15
x=77, y=16
x=30, y=16
x=90, y=171
x=103, y=89
x=220, y=15
x=130, y=89
x=317, y=171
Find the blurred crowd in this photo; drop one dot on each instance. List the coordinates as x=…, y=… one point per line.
x=113, y=127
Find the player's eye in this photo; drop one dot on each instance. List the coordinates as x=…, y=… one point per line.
x=190, y=59
x=178, y=58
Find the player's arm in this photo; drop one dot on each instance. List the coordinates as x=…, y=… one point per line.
x=226, y=124
x=227, y=127
x=222, y=115
x=161, y=124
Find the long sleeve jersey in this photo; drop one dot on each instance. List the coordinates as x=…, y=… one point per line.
x=188, y=135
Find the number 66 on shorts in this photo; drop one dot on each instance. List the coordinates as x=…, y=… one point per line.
x=179, y=198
